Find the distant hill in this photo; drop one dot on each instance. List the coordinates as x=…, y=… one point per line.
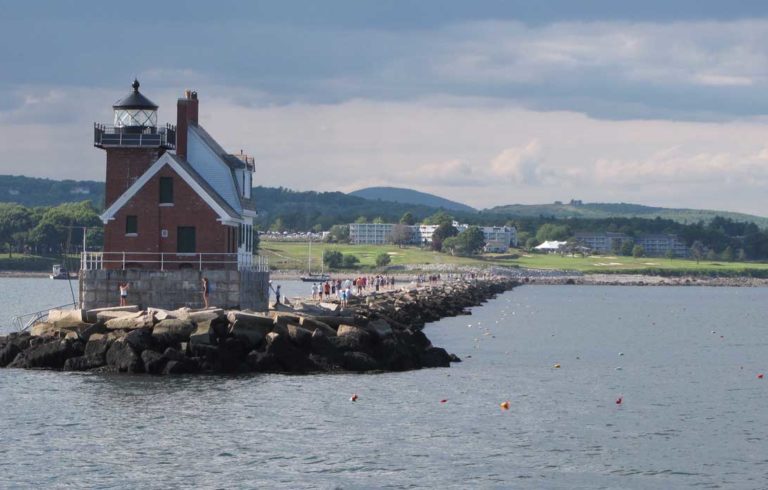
x=576, y=209
x=31, y=191
x=409, y=196
x=302, y=210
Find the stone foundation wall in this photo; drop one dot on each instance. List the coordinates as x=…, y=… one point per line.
x=174, y=289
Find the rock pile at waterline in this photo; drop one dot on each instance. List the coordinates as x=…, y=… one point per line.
x=379, y=332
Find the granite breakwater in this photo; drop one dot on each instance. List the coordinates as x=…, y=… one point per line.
x=377, y=332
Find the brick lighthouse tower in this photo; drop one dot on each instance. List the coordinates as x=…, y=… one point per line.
x=178, y=208
x=133, y=143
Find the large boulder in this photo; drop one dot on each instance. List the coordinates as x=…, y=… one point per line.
x=8, y=353
x=380, y=328
x=141, y=339
x=289, y=356
x=205, y=315
x=250, y=333
x=360, y=361
x=81, y=363
x=96, y=349
x=124, y=358
x=435, y=357
x=154, y=362
x=282, y=319
x=246, y=318
x=313, y=324
x=416, y=341
x=395, y=355
x=96, y=328
x=320, y=345
x=263, y=362
x=51, y=355
x=64, y=318
x=231, y=354
x=179, y=367
x=350, y=337
x=301, y=337
x=44, y=329
x=202, y=335
x=131, y=321
x=171, y=331
x=92, y=316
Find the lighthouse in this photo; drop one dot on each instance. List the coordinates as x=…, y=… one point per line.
x=178, y=207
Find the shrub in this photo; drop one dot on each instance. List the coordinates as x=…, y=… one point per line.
x=383, y=259
x=350, y=261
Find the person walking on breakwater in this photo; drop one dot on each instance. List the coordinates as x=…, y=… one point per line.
x=123, y=293
x=206, y=291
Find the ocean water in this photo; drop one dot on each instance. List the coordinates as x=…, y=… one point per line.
x=683, y=360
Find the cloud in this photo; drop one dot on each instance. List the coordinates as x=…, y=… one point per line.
x=519, y=165
x=467, y=149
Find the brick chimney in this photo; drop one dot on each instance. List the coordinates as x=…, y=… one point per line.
x=186, y=115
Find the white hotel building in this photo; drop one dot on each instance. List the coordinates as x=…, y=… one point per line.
x=497, y=238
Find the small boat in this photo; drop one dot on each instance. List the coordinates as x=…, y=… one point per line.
x=59, y=272
x=310, y=277
x=316, y=278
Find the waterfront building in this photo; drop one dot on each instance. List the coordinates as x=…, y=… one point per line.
x=654, y=245
x=370, y=233
x=175, y=199
x=497, y=238
x=196, y=199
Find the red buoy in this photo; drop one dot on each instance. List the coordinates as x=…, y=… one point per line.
x=443, y=400
x=619, y=400
x=353, y=398
x=760, y=376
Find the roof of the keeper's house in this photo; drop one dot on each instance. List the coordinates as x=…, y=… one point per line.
x=231, y=160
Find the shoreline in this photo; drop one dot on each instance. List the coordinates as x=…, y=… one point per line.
x=547, y=277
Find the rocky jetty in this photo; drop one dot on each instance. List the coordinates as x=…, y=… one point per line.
x=377, y=332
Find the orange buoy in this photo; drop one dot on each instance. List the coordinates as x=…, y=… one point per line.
x=760, y=376
x=353, y=398
x=504, y=405
x=619, y=400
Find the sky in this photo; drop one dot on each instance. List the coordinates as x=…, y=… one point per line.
x=485, y=102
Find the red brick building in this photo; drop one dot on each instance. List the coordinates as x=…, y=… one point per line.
x=175, y=198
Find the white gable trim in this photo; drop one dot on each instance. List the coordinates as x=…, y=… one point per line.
x=166, y=159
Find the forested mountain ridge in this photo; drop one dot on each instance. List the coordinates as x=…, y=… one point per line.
x=304, y=210
x=577, y=209
x=410, y=196
x=33, y=191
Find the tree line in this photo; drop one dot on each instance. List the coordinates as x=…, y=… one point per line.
x=50, y=230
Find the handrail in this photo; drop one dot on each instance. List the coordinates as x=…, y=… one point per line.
x=242, y=260
x=21, y=325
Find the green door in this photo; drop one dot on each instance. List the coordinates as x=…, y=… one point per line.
x=185, y=241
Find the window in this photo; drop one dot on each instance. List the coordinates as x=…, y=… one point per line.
x=131, y=225
x=185, y=240
x=166, y=190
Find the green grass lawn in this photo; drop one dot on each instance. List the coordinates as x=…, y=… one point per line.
x=293, y=255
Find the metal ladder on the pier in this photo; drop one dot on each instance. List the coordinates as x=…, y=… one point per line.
x=21, y=323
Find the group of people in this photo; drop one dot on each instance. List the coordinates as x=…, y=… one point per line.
x=358, y=285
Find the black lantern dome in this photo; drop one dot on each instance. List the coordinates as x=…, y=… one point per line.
x=135, y=110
